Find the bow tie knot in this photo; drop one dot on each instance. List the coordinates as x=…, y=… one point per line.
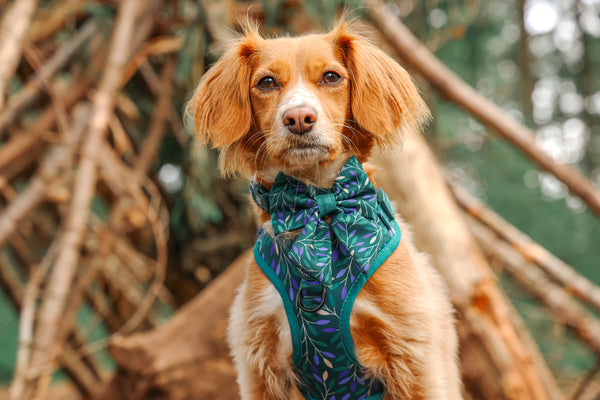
x=326, y=203
x=354, y=207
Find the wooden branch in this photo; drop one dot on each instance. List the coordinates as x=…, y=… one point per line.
x=12, y=33
x=564, y=274
x=418, y=57
x=158, y=45
x=29, y=141
x=585, y=382
x=557, y=301
x=26, y=323
x=17, y=103
x=156, y=132
x=156, y=87
x=37, y=190
x=63, y=273
x=155, y=214
x=79, y=370
x=52, y=20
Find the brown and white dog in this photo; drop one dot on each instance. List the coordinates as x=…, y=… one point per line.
x=304, y=106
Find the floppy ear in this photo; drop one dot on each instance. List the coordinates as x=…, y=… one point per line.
x=384, y=99
x=221, y=103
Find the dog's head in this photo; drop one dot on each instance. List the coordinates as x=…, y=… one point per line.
x=299, y=105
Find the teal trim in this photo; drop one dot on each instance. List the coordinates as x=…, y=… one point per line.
x=358, y=285
x=377, y=396
x=289, y=307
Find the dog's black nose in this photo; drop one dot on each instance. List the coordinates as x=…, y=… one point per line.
x=300, y=120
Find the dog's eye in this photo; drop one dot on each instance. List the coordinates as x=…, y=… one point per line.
x=267, y=83
x=331, y=77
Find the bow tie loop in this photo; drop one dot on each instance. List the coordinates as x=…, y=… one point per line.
x=351, y=204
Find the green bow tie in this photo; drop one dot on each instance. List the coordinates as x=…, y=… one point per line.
x=355, y=209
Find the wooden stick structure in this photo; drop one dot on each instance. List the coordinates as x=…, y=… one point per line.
x=103, y=259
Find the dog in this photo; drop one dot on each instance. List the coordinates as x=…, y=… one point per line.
x=297, y=116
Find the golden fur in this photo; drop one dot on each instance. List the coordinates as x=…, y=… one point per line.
x=401, y=323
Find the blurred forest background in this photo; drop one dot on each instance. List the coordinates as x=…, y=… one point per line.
x=159, y=209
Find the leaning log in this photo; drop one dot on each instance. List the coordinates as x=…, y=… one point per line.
x=187, y=358
x=496, y=363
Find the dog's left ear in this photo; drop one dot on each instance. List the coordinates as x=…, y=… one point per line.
x=221, y=103
x=384, y=99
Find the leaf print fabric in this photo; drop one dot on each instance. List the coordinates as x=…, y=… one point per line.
x=345, y=234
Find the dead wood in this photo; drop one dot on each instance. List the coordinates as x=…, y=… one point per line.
x=80, y=368
x=557, y=300
x=573, y=282
x=19, y=102
x=419, y=58
x=48, y=22
x=156, y=132
x=25, y=147
x=59, y=282
x=37, y=190
x=12, y=33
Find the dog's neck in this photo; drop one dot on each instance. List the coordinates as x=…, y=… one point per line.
x=321, y=175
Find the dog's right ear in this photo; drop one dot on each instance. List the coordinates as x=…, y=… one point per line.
x=384, y=99
x=221, y=103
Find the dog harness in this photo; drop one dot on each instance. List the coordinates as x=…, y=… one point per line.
x=325, y=245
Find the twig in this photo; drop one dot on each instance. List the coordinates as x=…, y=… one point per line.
x=131, y=261
x=12, y=32
x=564, y=274
x=156, y=214
x=61, y=278
x=585, y=382
x=13, y=288
x=37, y=189
x=156, y=132
x=17, y=103
x=26, y=322
x=156, y=87
x=556, y=299
x=52, y=20
x=26, y=142
x=158, y=45
x=452, y=87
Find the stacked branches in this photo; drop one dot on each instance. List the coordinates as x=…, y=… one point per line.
x=90, y=100
x=84, y=220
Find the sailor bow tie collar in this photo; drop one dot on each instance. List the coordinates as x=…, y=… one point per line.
x=352, y=205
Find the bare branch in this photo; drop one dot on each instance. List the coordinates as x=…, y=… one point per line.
x=62, y=275
x=556, y=299
x=419, y=58
x=564, y=274
x=12, y=32
x=156, y=132
x=17, y=103
x=37, y=190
